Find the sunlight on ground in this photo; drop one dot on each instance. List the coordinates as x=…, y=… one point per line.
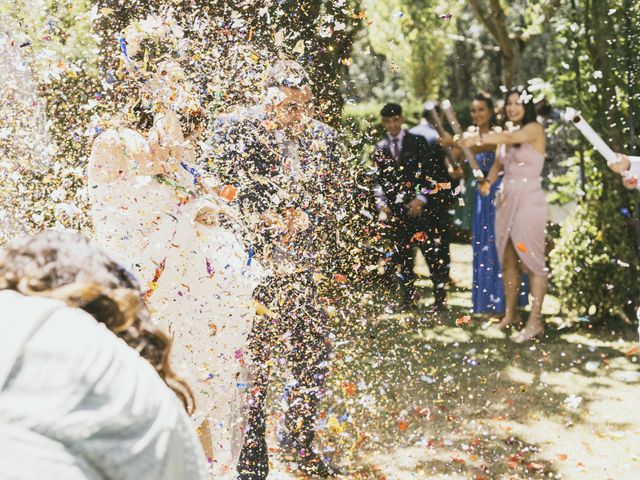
x=429, y=400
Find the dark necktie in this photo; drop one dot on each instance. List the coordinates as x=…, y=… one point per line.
x=396, y=149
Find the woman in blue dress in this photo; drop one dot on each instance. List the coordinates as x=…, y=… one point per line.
x=487, y=291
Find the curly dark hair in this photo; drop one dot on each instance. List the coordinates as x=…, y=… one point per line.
x=68, y=267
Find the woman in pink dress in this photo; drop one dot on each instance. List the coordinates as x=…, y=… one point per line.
x=521, y=208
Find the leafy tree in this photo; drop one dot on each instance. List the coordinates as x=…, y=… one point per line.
x=413, y=37
x=513, y=26
x=476, y=62
x=594, y=262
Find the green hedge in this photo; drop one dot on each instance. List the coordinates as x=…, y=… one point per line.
x=594, y=266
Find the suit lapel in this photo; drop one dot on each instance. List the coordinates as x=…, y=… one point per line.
x=408, y=147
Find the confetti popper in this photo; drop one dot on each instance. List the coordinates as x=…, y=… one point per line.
x=634, y=168
x=430, y=106
x=573, y=116
x=455, y=125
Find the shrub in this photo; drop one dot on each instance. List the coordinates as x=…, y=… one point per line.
x=594, y=266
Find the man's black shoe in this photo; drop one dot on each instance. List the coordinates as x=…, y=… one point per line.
x=439, y=306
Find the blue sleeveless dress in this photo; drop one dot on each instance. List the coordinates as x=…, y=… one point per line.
x=487, y=292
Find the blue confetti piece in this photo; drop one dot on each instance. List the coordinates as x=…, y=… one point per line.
x=192, y=171
x=251, y=254
x=123, y=47
x=625, y=212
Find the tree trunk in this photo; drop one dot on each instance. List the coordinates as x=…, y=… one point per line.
x=511, y=69
x=599, y=37
x=495, y=20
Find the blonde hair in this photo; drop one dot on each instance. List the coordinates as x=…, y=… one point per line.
x=67, y=267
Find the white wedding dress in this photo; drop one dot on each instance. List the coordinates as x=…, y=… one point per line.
x=199, y=281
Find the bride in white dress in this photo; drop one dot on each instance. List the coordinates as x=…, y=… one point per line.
x=149, y=210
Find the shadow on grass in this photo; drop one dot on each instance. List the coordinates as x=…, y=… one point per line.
x=418, y=397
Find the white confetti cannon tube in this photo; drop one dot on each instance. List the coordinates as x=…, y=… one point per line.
x=634, y=170
x=455, y=125
x=571, y=115
x=430, y=106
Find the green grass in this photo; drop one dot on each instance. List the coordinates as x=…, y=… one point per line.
x=422, y=398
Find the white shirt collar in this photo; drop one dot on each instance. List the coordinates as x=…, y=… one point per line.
x=400, y=137
x=424, y=121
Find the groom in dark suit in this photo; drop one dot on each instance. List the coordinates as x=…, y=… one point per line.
x=413, y=195
x=285, y=165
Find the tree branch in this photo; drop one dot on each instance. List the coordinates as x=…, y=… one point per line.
x=552, y=9
x=500, y=20
x=588, y=31
x=495, y=23
x=484, y=18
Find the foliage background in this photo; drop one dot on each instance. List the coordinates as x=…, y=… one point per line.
x=362, y=53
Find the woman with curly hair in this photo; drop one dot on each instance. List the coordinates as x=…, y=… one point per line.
x=86, y=389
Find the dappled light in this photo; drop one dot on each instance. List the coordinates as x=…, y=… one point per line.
x=360, y=239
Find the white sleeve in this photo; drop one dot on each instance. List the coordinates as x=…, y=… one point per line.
x=102, y=403
x=108, y=160
x=634, y=168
